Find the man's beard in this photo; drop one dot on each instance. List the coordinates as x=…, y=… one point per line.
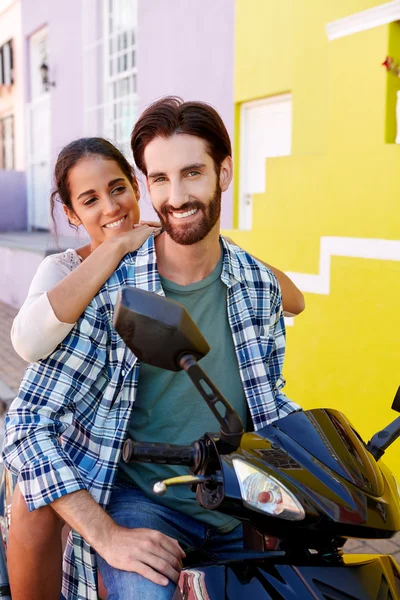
x=191, y=233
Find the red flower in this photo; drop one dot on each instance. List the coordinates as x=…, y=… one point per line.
x=388, y=62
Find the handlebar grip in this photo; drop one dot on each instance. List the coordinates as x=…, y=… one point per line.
x=158, y=453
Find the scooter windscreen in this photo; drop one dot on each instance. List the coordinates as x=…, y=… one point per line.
x=328, y=435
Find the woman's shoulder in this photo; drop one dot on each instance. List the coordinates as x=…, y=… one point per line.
x=53, y=269
x=62, y=261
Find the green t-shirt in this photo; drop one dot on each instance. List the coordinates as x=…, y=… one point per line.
x=168, y=408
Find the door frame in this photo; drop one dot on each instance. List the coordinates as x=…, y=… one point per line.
x=244, y=222
x=31, y=162
x=45, y=99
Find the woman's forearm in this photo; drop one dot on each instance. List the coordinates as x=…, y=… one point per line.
x=71, y=296
x=292, y=298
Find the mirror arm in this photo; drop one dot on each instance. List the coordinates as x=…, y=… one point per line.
x=231, y=424
x=382, y=440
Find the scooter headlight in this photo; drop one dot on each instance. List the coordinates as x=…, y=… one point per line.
x=267, y=495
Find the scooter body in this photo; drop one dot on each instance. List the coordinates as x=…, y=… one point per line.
x=346, y=494
x=362, y=577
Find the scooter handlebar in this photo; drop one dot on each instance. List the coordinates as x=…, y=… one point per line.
x=160, y=453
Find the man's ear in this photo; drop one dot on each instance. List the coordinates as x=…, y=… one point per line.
x=71, y=216
x=226, y=173
x=136, y=188
x=147, y=185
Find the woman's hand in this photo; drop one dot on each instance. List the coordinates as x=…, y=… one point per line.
x=150, y=223
x=133, y=239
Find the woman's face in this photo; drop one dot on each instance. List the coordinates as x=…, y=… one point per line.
x=103, y=200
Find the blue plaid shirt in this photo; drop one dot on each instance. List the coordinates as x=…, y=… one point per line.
x=65, y=430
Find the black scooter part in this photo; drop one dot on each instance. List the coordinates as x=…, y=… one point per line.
x=366, y=580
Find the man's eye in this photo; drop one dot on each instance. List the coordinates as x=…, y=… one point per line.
x=159, y=179
x=193, y=173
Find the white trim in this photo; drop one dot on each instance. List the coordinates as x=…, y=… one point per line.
x=366, y=19
x=29, y=195
x=33, y=160
x=397, y=140
x=289, y=321
x=277, y=99
x=243, y=220
x=246, y=215
x=370, y=248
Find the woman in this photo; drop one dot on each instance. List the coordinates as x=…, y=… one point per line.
x=65, y=283
x=106, y=206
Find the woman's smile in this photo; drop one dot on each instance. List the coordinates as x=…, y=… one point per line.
x=115, y=224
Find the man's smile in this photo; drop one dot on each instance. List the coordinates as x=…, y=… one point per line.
x=184, y=215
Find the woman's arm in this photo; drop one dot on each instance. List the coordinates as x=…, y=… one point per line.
x=292, y=298
x=57, y=297
x=70, y=297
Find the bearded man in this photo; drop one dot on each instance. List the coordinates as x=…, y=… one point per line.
x=138, y=540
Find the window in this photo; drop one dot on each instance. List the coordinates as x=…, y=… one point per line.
x=38, y=55
x=110, y=69
x=7, y=143
x=6, y=64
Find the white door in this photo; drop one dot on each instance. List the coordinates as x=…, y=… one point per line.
x=265, y=132
x=38, y=122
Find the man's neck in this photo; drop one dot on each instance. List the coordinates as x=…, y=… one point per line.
x=187, y=264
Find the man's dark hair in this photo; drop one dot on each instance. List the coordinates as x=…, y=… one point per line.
x=171, y=115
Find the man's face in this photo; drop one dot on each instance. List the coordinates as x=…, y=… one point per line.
x=184, y=187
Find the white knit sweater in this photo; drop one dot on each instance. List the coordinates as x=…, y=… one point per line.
x=36, y=331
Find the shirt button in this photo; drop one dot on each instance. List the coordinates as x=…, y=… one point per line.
x=123, y=373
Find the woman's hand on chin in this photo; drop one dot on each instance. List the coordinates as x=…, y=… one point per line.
x=129, y=241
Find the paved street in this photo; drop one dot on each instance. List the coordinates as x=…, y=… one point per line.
x=11, y=371
x=11, y=365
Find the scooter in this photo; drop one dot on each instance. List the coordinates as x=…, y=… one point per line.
x=300, y=486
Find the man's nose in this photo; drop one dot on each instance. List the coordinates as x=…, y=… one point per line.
x=178, y=196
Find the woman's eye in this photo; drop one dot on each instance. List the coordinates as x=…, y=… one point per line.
x=90, y=201
x=119, y=189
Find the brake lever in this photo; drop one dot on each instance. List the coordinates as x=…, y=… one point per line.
x=160, y=487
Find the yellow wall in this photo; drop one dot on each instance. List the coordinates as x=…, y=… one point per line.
x=341, y=180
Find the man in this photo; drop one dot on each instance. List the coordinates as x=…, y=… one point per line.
x=95, y=385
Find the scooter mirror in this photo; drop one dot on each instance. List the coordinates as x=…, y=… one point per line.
x=156, y=329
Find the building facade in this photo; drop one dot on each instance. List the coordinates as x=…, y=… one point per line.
x=88, y=67
x=12, y=117
x=320, y=199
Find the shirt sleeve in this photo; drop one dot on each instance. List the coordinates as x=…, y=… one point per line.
x=284, y=406
x=36, y=331
x=45, y=407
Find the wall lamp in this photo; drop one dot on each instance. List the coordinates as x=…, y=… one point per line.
x=44, y=71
